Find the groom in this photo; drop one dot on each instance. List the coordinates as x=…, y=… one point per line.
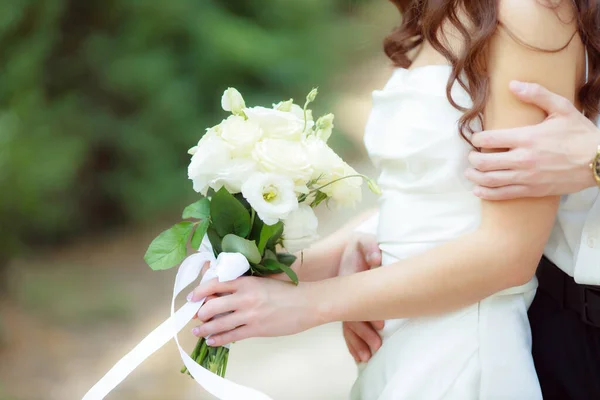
x=551, y=158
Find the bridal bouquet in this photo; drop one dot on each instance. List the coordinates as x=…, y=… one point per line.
x=259, y=174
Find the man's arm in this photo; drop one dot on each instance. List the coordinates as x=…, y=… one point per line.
x=550, y=158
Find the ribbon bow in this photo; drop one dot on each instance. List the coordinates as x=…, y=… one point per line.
x=226, y=267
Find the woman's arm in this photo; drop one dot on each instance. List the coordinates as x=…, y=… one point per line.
x=503, y=252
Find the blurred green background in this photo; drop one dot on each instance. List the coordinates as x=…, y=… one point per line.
x=99, y=102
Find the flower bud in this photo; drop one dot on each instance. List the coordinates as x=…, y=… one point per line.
x=312, y=95
x=373, y=186
x=285, y=106
x=325, y=127
x=233, y=101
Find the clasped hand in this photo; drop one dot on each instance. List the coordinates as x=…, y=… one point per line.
x=259, y=307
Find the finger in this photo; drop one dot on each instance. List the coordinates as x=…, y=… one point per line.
x=367, y=333
x=538, y=95
x=220, y=325
x=349, y=338
x=503, y=193
x=221, y=339
x=492, y=179
x=212, y=287
x=493, y=161
x=369, y=247
x=500, y=139
x=217, y=306
x=205, y=268
x=209, y=298
x=363, y=353
x=378, y=325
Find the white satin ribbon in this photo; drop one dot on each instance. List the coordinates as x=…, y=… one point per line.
x=227, y=267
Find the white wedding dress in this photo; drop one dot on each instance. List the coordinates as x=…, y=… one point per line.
x=480, y=352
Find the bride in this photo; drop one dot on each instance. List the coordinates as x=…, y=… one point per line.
x=459, y=271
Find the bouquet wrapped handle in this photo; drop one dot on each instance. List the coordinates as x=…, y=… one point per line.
x=229, y=266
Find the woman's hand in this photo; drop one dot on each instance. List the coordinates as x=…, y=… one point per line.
x=361, y=254
x=254, y=307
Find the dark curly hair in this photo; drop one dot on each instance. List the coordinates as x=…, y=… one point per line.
x=423, y=19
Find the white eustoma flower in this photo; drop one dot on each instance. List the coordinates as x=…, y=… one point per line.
x=241, y=135
x=272, y=196
x=210, y=156
x=278, y=124
x=283, y=157
x=345, y=192
x=328, y=171
x=233, y=101
x=300, y=229
x=233, y=175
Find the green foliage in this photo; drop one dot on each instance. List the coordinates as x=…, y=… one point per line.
x=228, y=215
x=269, y=235
x=169, y=248
x=235, y=244
x=230, y=229
x=198, y=210
x=100, y=99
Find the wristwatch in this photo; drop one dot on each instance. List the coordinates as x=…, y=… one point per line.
x=595, y=166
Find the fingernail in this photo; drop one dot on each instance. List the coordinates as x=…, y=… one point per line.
x=364, y=357
x=517, y=87
x=371, y=257
x=190, y=296
x=210, y=342
x=477, y=191
x=196, y=331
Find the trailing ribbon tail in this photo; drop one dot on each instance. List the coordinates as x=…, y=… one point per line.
x=228, y=266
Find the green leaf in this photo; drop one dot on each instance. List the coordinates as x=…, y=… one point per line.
x=269, y=235
x=199, y=233
x=273, y=265
x=215, y=240
x=198, y=210
x=235, y=244
x=169, y=248
x=228, y=215
x=256, y=229
x=286, y=258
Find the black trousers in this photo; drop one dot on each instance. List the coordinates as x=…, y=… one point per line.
x=566, y=351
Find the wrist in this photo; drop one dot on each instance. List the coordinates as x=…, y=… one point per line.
x=593, y=165
x=320, y=310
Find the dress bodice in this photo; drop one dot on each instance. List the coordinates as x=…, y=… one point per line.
x=412, y=136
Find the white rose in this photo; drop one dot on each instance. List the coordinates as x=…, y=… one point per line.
x=323, y=160
x=210, y=156
x=240, y=134
x=233, y=174
x=233, y=101
x=289, y=106
x=272, y=196
x=300, y=229
x=283, y=157
x=278, y=124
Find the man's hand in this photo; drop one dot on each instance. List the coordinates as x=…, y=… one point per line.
x=361, y=253
x=550, y=158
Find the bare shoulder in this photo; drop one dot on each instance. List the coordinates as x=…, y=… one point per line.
x=543, y=24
